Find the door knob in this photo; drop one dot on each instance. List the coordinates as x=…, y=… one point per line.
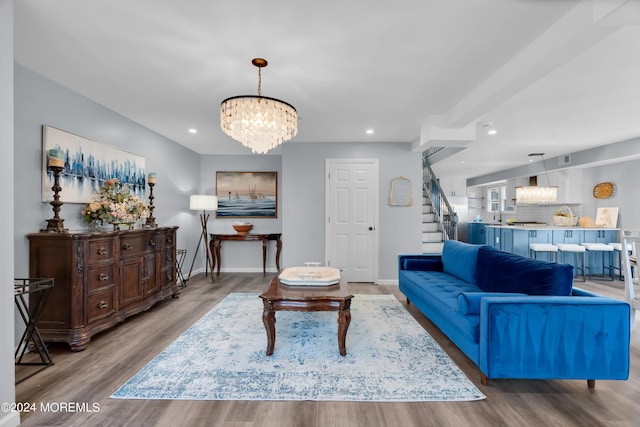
x=371, y=228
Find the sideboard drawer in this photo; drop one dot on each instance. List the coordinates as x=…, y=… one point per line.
x=100, y=251
x=100, y=305
x=99, y=278
x=137, y=245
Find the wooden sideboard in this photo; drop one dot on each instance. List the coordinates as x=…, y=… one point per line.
x=101, y=278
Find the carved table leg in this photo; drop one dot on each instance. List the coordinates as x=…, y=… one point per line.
x=216, y=256
x=265, y=243
x=269, y=320
x=344, y=319
x=278, y=249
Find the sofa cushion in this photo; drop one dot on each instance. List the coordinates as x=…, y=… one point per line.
x=437, y=292
x=424, y=264
x=460, y=260
x=506, y=272
x=469, y=302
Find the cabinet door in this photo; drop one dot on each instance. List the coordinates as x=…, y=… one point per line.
x=600, y=236
x=521, y=242
x=569, y=236
x=508, y=240
x=150, y=275
x=131, y=281
x=491, y=236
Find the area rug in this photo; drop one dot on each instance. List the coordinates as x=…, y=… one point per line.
x=390, y=358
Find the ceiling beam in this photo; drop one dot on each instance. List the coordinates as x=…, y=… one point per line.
x=568, y=37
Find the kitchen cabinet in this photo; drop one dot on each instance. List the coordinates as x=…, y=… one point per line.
x=477, y=233
x=516, y=239
x=493, y=236
x=101, y=278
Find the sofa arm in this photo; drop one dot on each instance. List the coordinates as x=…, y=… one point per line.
x=553, y=337
x=419, y=262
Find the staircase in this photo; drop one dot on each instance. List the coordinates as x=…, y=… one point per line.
x=432, y=235
x=439, y=220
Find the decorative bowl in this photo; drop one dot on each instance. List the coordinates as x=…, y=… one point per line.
x=242, y=228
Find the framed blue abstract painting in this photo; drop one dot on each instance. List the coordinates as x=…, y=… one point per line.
x=87, y=165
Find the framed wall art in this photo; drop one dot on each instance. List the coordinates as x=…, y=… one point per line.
x=247, y=194
x=87, y=164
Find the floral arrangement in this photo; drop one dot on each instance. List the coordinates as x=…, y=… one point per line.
x=114, y=204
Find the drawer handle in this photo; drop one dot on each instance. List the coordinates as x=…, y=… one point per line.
x=169, y=240
x=103, y=304
x=102, y=251
x=127, y=247
x=103, y=277
x=152, y=242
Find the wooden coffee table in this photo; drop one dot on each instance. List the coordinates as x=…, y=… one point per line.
x=281, y=297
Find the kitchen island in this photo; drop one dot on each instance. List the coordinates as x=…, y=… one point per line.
x=516, y=238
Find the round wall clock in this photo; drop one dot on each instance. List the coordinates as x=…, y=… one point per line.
x=604, y=190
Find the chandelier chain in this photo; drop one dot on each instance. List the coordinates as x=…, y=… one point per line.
x=259, y=82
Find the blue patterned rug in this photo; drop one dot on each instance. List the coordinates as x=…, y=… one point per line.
x=390, y=358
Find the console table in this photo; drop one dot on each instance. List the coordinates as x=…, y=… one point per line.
x=216, y=241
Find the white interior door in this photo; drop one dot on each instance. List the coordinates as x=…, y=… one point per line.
x=352, y=218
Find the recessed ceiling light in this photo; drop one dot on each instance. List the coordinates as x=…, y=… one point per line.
x=192, y=130
x=492, y=131
x=369, y=131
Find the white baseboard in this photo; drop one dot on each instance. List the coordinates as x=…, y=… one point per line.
x=247, y=270
x=387, y=282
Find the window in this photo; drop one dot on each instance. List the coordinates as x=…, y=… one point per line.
x=493, y=197
x=497, y=199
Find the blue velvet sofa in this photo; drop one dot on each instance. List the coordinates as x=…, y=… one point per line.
x=517, y=317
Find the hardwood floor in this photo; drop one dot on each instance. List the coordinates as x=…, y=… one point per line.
x=92, y=375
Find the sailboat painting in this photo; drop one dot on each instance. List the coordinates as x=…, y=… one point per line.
x=247, y=194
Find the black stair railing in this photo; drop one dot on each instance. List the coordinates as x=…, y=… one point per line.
x=445, y=215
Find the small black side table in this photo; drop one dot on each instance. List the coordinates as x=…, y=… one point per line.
x=180, y=256
x=30, y=317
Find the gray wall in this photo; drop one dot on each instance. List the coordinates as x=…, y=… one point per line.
x=39, y=101
x=626, y=177
x=7, y=388
x=243, y=256
x=303, y=195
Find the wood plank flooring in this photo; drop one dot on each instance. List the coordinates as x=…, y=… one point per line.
x=92, y=375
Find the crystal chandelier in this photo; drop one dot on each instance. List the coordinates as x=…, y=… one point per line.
x=258, y=122
x=534, y=195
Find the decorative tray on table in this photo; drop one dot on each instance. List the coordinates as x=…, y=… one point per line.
x=310, y=275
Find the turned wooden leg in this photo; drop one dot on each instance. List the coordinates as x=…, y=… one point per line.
x=269, y=320
x=484, y=380
x=591, y=383
x=344, y=319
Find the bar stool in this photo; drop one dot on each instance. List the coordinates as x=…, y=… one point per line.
x=534, y=248
x=601, y=248
x=617, y=253
x=576, y=250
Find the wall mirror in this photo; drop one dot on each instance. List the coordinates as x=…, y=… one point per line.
x=400, y=192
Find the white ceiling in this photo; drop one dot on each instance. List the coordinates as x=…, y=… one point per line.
x=551, y=76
